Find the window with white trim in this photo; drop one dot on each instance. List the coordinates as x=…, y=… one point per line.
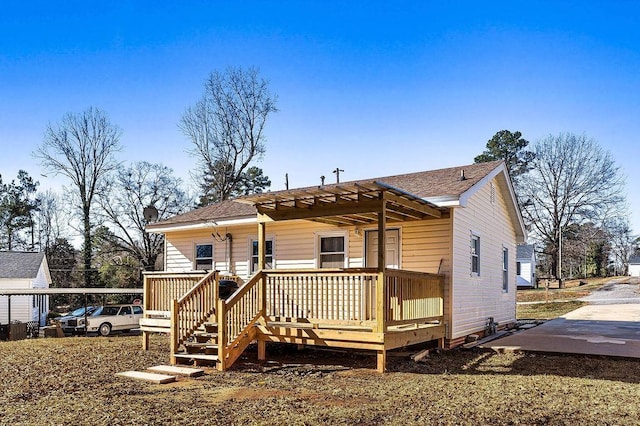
x=475, y=254
x=204, y=257
x=331, y=252
x=505, y=269
x=268, y=255
x=518, y=268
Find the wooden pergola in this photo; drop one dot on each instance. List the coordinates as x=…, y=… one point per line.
x=350, y=204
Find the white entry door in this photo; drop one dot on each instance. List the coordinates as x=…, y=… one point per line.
x=393, y=249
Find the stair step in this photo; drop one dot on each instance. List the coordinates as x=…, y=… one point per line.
x=207, y=348
x=205, y=337
x=210, y=327
x=175, y=370
x=201, y=357
x=155, y=329
x=155, y=322
x=148, y=377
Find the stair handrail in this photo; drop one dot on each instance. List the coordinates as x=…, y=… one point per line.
x=236, y=326
x=193, y=309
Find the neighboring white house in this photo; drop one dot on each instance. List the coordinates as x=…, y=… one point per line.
x=471, y=240
x=634, y=266
x=526, y=265
x=23, y=270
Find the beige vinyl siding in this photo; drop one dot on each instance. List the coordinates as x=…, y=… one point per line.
x=422, y=245
x=475, y=298
x=294, y=246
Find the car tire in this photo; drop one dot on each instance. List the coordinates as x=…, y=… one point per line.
x=104, y=329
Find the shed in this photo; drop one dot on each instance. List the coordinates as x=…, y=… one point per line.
x=526, y=266
x=634, y=266
x=24, y=270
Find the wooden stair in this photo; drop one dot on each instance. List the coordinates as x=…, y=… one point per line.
x=156, y=322
x=202, y=348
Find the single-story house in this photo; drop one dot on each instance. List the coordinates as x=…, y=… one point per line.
x=634, y=266
x=526, y=266
x=24, y=270
x=373, y=264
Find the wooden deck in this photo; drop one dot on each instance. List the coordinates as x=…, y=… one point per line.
x=350, y=308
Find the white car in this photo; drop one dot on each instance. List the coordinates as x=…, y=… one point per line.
x=110, y=318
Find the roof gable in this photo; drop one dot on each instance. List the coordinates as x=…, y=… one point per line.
x=20, y=265
x=442, y=187
x=524, y=251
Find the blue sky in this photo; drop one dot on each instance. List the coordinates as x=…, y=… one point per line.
x=374, y=88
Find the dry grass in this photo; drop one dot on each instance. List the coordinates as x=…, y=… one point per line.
x=545, y=311
x=572, y=290
x=71, y=381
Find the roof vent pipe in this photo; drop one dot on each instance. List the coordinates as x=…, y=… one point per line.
x=462, y=176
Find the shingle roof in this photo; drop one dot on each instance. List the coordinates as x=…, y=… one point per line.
x=21, y=265
x=634, y=260
x=432, y=184
x=524, y=251
x=227, y=209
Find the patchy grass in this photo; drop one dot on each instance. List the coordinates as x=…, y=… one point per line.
x=545, y=311
x=71, y=381
x=572, y=290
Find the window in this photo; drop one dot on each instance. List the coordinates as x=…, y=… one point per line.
x=126, y=310
x=137, y=310
x=475, y=254
x=268, y=255
x=332, y=252
x=505, y=269
x=518, y=268
x=204, y=257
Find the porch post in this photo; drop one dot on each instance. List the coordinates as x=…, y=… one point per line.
x=262, y=245
x=382, y=236
x=381, y=302
x=262, y=252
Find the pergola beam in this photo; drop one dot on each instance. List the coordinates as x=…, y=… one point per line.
x=413, y=205
x=320, y=210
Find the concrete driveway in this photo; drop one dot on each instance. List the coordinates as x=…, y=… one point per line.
x=608, y=328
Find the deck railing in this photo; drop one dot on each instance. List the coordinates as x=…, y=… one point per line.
x=193, y=309
x=413, y=297
x=236, y=317
x=161, y=288
x=322, y=295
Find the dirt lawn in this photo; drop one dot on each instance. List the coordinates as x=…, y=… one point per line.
x=71, y=381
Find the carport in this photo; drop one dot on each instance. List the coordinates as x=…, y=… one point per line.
x=57, y=291
x=609, y=330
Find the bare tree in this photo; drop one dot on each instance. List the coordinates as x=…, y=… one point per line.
x=623, y=244
x=573, y=180
x=226, y=128
x=82, y=148
x=124, y=198
x=50, y=220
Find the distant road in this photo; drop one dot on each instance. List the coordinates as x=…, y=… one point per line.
x=617, y=291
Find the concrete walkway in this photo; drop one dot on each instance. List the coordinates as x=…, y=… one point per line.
x=607, y=329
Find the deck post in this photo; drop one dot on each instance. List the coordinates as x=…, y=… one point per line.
x=146, y=303
x=222, y=334
x=262, y=350
x=381, y=361
x=174, y=331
